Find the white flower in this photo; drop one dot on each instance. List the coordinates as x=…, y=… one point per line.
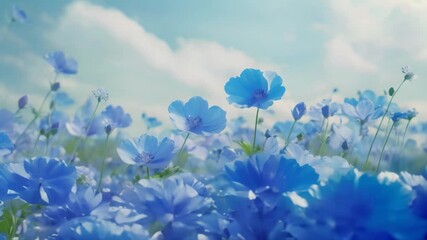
x=101, y=94
x=409, y=75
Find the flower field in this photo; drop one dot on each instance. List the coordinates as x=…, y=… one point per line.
x=351, y=169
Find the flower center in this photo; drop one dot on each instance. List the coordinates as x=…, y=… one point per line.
x=194, y=122
x=259, y=94
x=144, y=157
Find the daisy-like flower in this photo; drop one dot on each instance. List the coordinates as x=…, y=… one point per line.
x=101, y=94
x=409, y=75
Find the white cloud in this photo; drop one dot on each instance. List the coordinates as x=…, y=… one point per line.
x=340, y=54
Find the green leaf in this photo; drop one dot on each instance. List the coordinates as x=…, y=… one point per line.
x=391, y=91
x=247, y=148
x=167, y=172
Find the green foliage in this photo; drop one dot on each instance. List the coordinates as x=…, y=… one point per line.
x=247, y=148
x=167, y=172
x=391, y=91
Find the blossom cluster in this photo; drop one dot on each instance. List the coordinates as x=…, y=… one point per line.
x=351, y=169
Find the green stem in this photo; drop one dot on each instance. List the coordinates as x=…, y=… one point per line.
x=36, y=115
x=379, y=126
x=101, y=175
x=289, y=134
x=86, y=130
x=182, y=147
x=148, y=172
x=402, y=149
x=35, y=144
x=324, y=137
x=256, y=126
x=382, y=151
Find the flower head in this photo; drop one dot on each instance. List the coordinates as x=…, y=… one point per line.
x=115, y=117
x=299, y=110
x=408, y=74
x=42, y=180
x=6, y=145
x=101, y=94
x=18, y=15
x=253, y=88
x=197, y=117
x=150, y=122
x=147, y=151
x=22, y=102
x=61, y=63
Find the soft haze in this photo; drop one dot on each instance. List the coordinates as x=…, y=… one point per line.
x=149, y=53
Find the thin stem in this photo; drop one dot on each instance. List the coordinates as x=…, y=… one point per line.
x=290, y=132
x=256, y=126
x=379, y=126
x=324, y=137
x=402, y=149
x=35, y=144
x=36, y=115
x=382, y=151
x=101, y=175
x=86, y=130
x=147, y=172
x=182, y=147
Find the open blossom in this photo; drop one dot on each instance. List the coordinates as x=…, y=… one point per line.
x=254, y=88
x=147, y=151
x=197, y=117
x=101, y=94
x=62, y=64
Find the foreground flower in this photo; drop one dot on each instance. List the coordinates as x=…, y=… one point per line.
x=361, y=206
x=62, y=64
x=197, y=117
x=42, y=180
x=269, y=176
x=147, y=151
x=176, y=207
x=253, y=88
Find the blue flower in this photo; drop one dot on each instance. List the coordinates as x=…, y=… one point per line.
x=150, y=122
x=22, y=102
x=42, y=180
x=197, y=117
x=61, y=64
x=177, y=206
x=78, y=126
x=361, y=206
x=147, y=151
x=115, y=117
x=94, y=229
x=6, y=120
x=18, y=15
x=299, y=110
x=251, y=89
x=268, y=176
x=6, y=145
x=62, y=99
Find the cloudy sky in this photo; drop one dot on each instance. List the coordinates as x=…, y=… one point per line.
x=149, y=53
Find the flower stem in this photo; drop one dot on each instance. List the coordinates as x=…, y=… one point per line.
x=256, y=126
x=402, y=150
x=36, y=115
x=86, y=130
x=379, y=126
x=290, y=132
x=324, y=137
x=101, y=174
x=182, y=147
x=382, y=151
x=147, y=172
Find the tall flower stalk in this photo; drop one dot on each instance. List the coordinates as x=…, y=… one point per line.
x=408, y=76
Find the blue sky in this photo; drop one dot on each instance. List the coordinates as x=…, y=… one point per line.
x=149, y=53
